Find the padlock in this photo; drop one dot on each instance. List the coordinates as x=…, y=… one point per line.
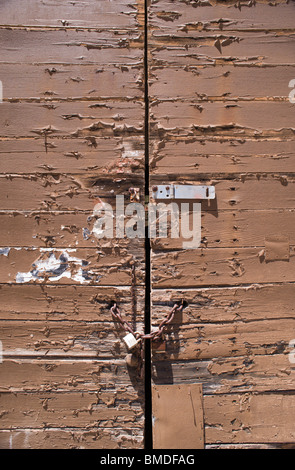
x=131, y=360
x=130, y=341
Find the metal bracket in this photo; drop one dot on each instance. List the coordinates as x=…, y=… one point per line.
x=183, y=191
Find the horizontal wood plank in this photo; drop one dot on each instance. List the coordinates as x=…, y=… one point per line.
x=188, y=17
x=49, y=229
x=71, y=409
x=244, y=115
x=85, y=82
x=97, y=340
x=70, y=119
x=255, y=373
x=45, y=302
x=220, y=155
x=223, y=82
x=226, y=304
x=233, y=229
x=71, y=438
x=124, y=14
x=241, y=48
x=225, y=266
x=109, y=266
x=83, y=375
x=116, y=155
x=71, y=47
x=249, y=418
x=82, y=192
x=208, y=341
x=63, y=191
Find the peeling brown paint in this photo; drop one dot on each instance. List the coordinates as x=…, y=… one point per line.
x=72, y=131
x=220, y=114
x=72, y=124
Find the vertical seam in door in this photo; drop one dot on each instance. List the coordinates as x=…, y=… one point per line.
x=147, y=373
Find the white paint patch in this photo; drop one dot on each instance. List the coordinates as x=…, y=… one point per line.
x=129, y=152
x=54, y=265
x=5, y=251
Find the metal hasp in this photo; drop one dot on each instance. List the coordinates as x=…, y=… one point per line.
x=183, y=191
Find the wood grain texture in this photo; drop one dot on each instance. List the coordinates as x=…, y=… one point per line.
x=220, y=115
x=249, y=418
x=48, y=154
x=69, y=302
x=72, y=110
x=71, y=438
x=178, y=417
x=124, y=14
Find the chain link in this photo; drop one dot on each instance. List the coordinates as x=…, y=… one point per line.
x=154, y=335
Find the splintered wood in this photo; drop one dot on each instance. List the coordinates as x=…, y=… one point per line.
x=71, y=136
x=219, y=74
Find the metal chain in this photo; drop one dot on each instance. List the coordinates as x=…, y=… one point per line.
x=154, y=335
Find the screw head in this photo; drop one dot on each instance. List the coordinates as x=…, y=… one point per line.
x=155, y=188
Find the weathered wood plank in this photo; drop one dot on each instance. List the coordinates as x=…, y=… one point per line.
x=116, y=155
x=223, y=82
x=84, y=82
x=215, y=267
x=64, y=192
x=54, y=229
x=102, y=14
x=83, y=375
x=71, y=119
x=234, y=229
x=217, y=340
x=222, y=375
x=71, y=47
x=71, y=409
x=189, y=17
x=71, y=438
x=249, y=418
x=226, y=304
x=97, y=340
x=229, y=229
x=221, y=155
x=241, y=48
x=109, y=266
x=252, y=116
x=248, y=191
x=73, y=302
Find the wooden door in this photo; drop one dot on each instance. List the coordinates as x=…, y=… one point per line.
x=72, y=137
x=219, y=74
x=79, y=125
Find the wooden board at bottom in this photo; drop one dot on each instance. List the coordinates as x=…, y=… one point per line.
x=177, y=416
